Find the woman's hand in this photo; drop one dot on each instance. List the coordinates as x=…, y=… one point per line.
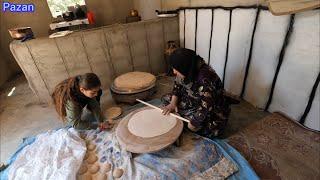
x=192, y=128
x=169, y=109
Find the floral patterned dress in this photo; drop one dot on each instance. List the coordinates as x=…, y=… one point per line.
x=202, y=102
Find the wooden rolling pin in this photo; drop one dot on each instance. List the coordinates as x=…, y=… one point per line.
x=155, y=107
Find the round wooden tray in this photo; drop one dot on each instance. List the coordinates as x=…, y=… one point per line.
x=138, y=144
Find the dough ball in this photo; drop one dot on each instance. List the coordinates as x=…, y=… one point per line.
x=91, y=147
x=86, y=176
x=106, y=167
x=86, y=156
x=102, y=176
x=83, y=169
x=92, y=158
x=94, y=168
x=117, y=173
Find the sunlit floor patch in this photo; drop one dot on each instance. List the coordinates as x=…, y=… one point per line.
x=11, y=92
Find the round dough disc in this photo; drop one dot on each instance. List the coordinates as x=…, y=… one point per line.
x=92, y=159
x=86, y=156
x=86, y=176
x=83, y=169
x=106, y=167
x=94, y=168
x=113, y=112
x=150, y=123
x=102, y=176
x=134, y=81
x=91, y=147
x=117, y=173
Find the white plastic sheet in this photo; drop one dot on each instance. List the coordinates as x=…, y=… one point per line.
x=55, y=155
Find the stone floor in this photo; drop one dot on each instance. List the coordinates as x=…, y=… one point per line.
x=21, y=115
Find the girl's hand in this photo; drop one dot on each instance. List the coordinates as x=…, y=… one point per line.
x=105, y=125
x=169, y=109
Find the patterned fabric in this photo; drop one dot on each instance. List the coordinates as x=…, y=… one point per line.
x=202, y=102
x=195, y=156
x=223, y=169
x=108, y=149
x=280, y=148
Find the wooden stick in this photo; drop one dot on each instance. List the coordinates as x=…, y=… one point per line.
x=155, y=107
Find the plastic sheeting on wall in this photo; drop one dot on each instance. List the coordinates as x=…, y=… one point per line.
x=267, y=42
x=203, y=32
x=239, y=47
x=300, y=66
x=190, y=28
x=273, y=64
x=219, y=40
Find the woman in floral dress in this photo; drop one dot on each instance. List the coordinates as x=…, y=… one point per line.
x=197, y=95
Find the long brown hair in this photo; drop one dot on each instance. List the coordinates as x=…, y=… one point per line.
x=67, y=90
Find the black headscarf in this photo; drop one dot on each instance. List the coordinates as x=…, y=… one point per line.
x=187, y=62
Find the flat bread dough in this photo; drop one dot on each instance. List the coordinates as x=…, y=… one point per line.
x=94, y=168
x=102, y=176
x=117, y=173
x=92, y=159
x=150, y=123
x=91, y=147
x=106, y=167
x=83, y=169
x=134, y=81
x=86, y=176
x=86, y=156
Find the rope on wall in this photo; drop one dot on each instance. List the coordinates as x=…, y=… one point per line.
x=209, y=57
x=184, y=28
x=226, y=8
x=250, y=55
x=227, y=49
x=196, y=29
x=282, y=53
x=310, y=101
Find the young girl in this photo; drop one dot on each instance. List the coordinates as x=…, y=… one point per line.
x=77, y=101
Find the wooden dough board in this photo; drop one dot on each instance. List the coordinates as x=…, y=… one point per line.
x=137, y=144
x=282, y=7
